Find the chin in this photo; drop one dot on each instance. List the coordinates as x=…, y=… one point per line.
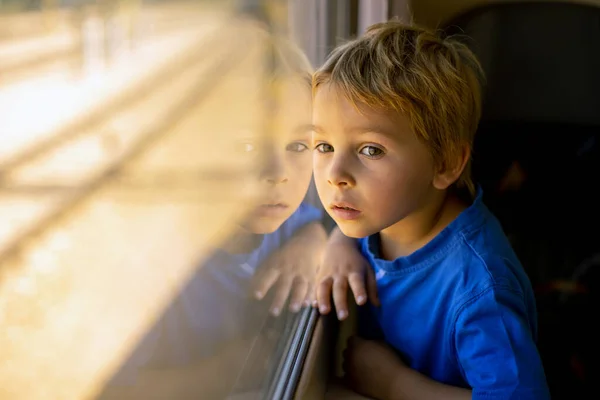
x=354, y=229
x=262, y=226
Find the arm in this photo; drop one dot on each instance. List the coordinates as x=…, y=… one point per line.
x=494, y=347
x=409, y=384
x=375, y=370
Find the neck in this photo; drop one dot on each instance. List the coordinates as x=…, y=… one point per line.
x=416, y=230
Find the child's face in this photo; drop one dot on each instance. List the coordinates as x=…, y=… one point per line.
x=371, y=171
x=287, y=170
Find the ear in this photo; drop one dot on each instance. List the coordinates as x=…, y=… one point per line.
x=453, y=169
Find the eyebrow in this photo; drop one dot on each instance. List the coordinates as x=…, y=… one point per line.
x=356, y=130
x=304, y=129
x=315, y=128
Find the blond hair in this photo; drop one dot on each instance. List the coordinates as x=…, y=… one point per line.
x=290, y=60
x=280, y=57
x=434, y=81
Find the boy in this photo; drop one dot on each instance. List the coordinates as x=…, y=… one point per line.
x=394, y=115
x=200, y=343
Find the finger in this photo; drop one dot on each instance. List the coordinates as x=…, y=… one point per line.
x=283, y=292
x=310, y=295
x=340, y=297
x=357, y=284
x=315, y=287
x=313, y=297
x=372, y=287
x=324, y=295
x=298, y=294
x=265, y=281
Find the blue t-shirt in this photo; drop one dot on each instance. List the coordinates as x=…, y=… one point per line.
x=461, y=310
x=214, y=307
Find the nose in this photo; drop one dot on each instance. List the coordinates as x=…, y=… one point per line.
x=339, y=174
x=274, y=171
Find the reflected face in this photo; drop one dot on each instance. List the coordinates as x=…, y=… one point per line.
x=286, y=160
x=371, y=170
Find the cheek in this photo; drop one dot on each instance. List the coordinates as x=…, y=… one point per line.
x=397, y=181
x=319, y=166
x=300, y=171
x=300, y=165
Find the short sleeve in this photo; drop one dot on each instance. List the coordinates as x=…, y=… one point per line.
x=496, y=348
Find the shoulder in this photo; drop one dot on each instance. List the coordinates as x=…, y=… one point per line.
x=488, y=262
x=493, y=284
x=481, y=268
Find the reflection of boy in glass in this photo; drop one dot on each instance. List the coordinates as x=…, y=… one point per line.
x=202, y=339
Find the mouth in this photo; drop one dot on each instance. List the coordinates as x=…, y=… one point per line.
x=272, y=209
x=344, y=206
x=345, y=211
x=273, y=205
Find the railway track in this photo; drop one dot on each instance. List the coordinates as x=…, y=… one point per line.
x=63, y=48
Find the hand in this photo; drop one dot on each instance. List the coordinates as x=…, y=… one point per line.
x=343, y=265
x=292, y=269
x=370, y=367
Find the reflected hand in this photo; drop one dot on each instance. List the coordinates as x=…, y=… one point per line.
x=344, y=266
x=292, y=270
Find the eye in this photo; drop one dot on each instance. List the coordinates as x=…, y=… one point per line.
x=245, y=147
x=371, y=151
x=297, y=147
x=324, y=148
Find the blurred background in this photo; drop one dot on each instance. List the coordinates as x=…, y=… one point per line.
x=118, y=179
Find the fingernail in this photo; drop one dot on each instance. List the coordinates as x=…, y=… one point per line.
x=295, y=307
x=342, y=314
x=258, y=295
x=275, y=311
x=315, y=303
x=323, y=309
x=306, y=303
x=361, y=299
